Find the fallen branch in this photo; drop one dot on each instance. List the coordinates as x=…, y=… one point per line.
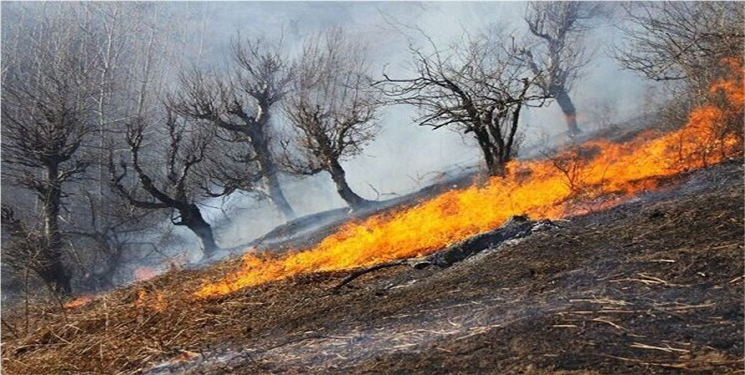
x=352, y=276
x=516, y=227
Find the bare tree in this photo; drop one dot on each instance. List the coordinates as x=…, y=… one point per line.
x=129, y=47
x=46, y=122
x=175, y=183
x=681, y=41
x=242, y=104
x=332, y=108
x=558, y=53
x=478, y=85
x=126, y=53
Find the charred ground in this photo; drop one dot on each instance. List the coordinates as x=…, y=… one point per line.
x=652, y=286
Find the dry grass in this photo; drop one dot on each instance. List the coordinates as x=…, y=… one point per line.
x=618, y=291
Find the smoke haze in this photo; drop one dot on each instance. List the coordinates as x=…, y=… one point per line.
x=404, y=157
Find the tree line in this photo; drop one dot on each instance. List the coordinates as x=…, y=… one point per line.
x=109, y=127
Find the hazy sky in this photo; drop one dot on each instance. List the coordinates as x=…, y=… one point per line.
x=403, y=149
x=404, y=155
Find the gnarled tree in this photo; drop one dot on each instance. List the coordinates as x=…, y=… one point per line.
x=479, y=86
x=332, y=109
x=46, y=120
x=242, y=105
x=174, y=183
x=558, y=53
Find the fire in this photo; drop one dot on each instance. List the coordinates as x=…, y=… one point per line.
x=732, y=88
x=79, y=301
x=536, y=188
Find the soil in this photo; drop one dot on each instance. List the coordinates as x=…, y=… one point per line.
x=654, y=285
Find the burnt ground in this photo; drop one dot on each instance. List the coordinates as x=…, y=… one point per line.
x=651, y=286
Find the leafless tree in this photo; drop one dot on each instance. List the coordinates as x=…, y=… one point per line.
x=332, y=108
x=478, y=85
x=173, y=182
x=129, y=48
x=242, y=104
x=126, y=53
x=558, y=52
x=46, y=122
x=681, y=41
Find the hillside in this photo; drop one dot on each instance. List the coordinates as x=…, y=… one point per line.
x=372, y=188
x=651, y=286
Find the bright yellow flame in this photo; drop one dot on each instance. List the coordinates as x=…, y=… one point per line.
x=536, y=188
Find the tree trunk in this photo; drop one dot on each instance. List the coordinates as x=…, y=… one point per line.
x=495, y=168
x=269, y=170
x=342, y=187
x=275, y=193
x=192, y=219
x=53, y=272
x=494, y=165
x=51, y=269
x=570, y=113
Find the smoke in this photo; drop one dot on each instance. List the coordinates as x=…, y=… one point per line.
x=404, y=157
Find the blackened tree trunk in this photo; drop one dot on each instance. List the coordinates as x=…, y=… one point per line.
x=54, y=273
x=178, y=191
x=51, y=269
x=192, y=218
x=498, y=138
x=493, y=167
x=570, y=113
x=338, y=175
x=495, y=160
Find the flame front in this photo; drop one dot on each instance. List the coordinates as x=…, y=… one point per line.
x=536, y=188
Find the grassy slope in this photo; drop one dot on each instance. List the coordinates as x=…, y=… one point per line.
x=650, y=286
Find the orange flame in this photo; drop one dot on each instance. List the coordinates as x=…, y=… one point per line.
x=79, y=301
x=536, y=188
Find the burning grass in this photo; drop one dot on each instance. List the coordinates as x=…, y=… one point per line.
x=533, y=188
x=129, y=330
x=602, y=293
